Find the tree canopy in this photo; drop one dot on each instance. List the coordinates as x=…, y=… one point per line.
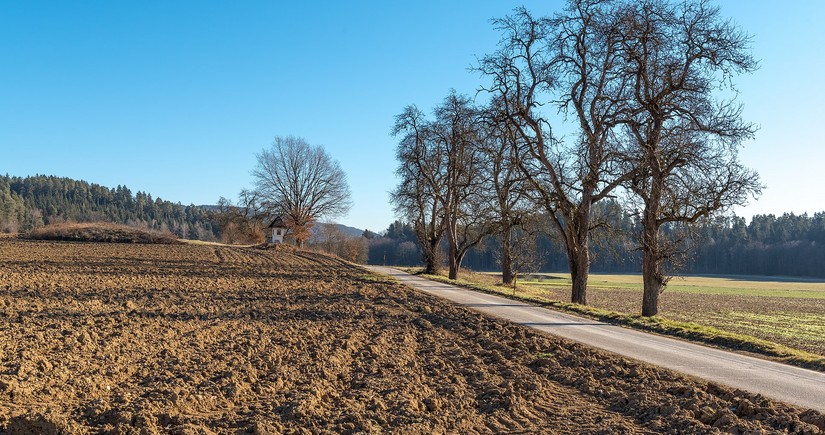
x=301, y=183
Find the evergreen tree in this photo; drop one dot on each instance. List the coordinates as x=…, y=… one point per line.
x=30, y=202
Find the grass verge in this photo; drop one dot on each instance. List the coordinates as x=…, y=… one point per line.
x=687, y=330
x=374, y=278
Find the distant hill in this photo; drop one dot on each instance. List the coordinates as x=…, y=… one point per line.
x=318, y=236
x=100, y=232
x=31, y=202
x=350, y=231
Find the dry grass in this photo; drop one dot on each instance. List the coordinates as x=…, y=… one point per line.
x=780, y=311
x=785, y=287
x=100, y=232
x=790, y=329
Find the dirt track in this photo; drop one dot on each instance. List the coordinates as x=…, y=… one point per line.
x=201, y=339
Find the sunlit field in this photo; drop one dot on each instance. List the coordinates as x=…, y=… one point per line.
x=717, y=285
x=785, y=310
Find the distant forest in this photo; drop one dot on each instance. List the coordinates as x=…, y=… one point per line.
x=31, y=202
x=787, y=245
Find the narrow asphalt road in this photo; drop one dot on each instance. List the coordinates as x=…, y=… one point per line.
x=801, y=387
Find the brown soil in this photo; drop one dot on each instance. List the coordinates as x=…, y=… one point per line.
x=100, y=232
x=203, y=339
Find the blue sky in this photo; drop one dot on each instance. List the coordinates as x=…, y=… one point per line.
x=174, y=98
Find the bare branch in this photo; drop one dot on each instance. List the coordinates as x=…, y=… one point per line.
x=301, y=183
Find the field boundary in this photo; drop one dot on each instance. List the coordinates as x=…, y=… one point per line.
x=799, y=386
x=685, y=330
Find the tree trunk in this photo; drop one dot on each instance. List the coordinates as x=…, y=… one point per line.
x=515, y=282
x=651, y=255
x=455, y=261
x=431, y=269
x=429, y=265
x=431, y=258
x=652, y=288
x=506, y=259
x=579, y=271
x=578, y=254
x=651, y=271
x=452, y=249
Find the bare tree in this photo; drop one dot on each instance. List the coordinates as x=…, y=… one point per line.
x=524, y=248
x=241, y=223
x=330, y=238
x=415, y=198
x=509, y=188
x=301, y=183
x=682, y=138
x=441, y=189
x=568, y=62
x=456, y=130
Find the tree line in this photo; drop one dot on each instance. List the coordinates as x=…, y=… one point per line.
x=30, y=202
x=767, y=245
x=646, y=87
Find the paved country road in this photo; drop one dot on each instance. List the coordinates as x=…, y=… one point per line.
x=797, y=386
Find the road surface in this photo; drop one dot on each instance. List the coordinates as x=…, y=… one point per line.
x=797, y=386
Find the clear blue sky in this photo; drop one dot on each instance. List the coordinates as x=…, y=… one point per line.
x=175, y=98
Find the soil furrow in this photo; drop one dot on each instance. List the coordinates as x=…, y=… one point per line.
x=200, y=339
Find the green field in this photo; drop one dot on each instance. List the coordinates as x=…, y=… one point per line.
x=787, y=311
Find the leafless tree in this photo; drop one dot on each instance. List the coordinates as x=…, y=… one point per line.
x=442, y=189
x=568, y=62
x=507, y=185
x=330, y=238
x=457, y=131
x=682, y=137
x=421, y=178
x=301, y=183
x=524, y=248
x=244, y=222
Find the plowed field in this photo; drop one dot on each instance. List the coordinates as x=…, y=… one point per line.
x=209, y=339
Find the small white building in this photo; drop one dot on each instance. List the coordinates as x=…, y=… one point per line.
x=278, y=230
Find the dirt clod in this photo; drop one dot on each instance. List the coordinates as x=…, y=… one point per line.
x=47, y=423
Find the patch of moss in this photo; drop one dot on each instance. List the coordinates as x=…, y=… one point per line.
x=380, y=279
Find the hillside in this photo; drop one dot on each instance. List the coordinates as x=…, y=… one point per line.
x=98, y=232
x=30, y=202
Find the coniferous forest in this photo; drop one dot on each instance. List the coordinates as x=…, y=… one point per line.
x=30, y=202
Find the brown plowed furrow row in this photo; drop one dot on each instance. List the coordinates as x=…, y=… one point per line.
x=99, y=338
